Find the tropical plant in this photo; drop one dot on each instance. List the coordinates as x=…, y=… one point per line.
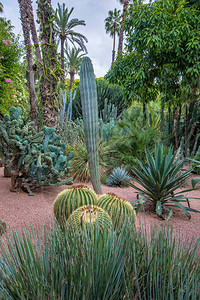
x=65, y=30
x=90, y=215
x=130, y=139
x=25, y=20
x=118, y=208
x=73, y=62
x=196, y=163
x=80, y=164
x=70, y=199
x=112, y=26
x=159, y=178
x=50, y=67
x=118, y=177
x=111, y=92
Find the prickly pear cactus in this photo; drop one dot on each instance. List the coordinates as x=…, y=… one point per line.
x=90, y=215
x=118, y=208
x=35, y=159
x=72, y=198
x=88, y=92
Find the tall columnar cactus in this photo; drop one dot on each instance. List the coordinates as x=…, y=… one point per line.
x=118, y=208
x=90, y=215
x=72, y=198
x=88, y=92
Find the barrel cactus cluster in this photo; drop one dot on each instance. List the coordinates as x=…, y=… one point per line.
x=79, y=206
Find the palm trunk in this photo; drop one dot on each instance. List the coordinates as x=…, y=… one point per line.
x=50, y=71
x=121, y=34
x=34, y=37
x=26, y=31
x=113, y=53
x=71, y=73
x=62, y=56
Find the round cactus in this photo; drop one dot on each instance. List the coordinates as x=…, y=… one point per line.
x=118, y=208
x=70, y=199
x=87, y=216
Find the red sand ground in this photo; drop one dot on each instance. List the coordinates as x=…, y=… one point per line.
x=17, y=209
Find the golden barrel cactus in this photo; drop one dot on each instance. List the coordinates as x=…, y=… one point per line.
x=90, y=215
x=118, y=208
x=72, y=198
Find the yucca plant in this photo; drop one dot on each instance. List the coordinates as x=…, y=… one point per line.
x=159, y=178
x=90, y=215
x=118, y=177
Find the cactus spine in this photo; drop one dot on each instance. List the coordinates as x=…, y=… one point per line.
x=118, y=208
x=89, y=215
x=70, y=199
x=88, y=92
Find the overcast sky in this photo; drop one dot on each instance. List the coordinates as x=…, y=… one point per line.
x=93, y=12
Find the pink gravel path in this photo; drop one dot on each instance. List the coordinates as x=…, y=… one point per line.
x=17, y=209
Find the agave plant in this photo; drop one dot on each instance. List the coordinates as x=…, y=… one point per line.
x=118, y=177
x=159, y=178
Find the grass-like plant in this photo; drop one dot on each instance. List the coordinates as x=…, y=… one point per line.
x=130, y=264
x=160, y=177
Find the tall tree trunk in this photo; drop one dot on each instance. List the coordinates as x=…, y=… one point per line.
x=71, y=73
x=24, y=12
x=62, y=39
x=113, y=53
x=50, y=69
x=121, y=34
x=34, y=36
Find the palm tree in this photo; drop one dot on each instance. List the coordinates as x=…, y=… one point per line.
x=24, y=12
x=73, y=62
x=121, y=34
x=1, y=7
x=50, y=70
x=125, y=4
x=65, y=30
x=112, y=25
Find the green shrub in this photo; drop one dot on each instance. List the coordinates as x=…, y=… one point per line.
x=196, y=163
x=159, y=178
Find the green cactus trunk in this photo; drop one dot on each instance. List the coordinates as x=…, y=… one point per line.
x=88, y=92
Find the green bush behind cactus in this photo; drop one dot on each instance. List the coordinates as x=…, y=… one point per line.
x=118, y=208
x=70, y=199
x=87, y=216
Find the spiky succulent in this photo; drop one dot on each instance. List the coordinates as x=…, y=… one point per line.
x=118, y=208
x=70, y=199
x=118, y=177
x=90, y=215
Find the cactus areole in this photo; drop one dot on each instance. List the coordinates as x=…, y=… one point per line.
x=88, y=92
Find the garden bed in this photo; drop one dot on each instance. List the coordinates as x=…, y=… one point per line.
x=17, y=209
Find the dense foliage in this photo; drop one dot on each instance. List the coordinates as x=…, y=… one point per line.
x=12, y=80
x=162, y=52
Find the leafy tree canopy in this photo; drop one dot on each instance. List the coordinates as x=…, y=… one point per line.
x=163, y=46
